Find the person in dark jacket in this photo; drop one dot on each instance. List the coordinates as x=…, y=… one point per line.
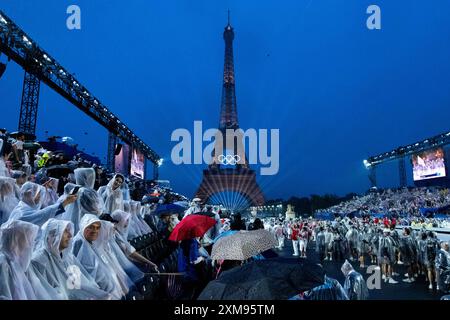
x=256, y=225
x=237, y=223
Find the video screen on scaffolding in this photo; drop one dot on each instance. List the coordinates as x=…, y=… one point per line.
x=122, y=160
x=429, y=164
x=137, y=164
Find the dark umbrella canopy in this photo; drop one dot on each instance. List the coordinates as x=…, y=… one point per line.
x=59, y=170
x=150, y=199
x=270, y=279
x=32, y=145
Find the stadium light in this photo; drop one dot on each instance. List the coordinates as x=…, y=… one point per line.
x=160, y=162
x=27, y=41
x=366, y=164
x=2, y=20
x=47, y=58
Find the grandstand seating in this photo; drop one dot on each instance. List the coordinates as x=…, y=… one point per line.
x=152, y=247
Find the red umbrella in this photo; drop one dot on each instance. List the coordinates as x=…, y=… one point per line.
x=191, y=227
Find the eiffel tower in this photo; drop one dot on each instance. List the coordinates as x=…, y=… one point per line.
x=229, y=149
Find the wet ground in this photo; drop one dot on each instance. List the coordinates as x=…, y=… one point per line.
x=401, y=291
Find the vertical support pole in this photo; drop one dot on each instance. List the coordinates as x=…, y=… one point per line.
x=373, y=176
x=145, y=169
x=112, y=142
x=155, y=171
x=29, y=104
x=402, y=172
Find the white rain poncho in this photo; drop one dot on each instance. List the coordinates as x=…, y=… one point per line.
x=16, y=174
x=51, y=193
x=138, y=226
x=88, y=200
x=355, y=286
x=408, y=249
x=146, y=211
x=113, y=199
x=145, y=228
x=29, y=209
x=100, y=191
x=8, y=200
x=60, y=269
x=133, y=231
x=352, y=237
x=328, y=239
x=386, y=250
x=122, y=226
x=93, y=260
x=126, y=206
x=85, y=177
x=17, y=281
x=104, y=241
x=193, y=208
x=68, y=187
x=128, y=273
x=125, y=191
x=3, y=169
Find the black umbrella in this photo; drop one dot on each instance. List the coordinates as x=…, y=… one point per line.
x=32, y=146
x=150, y=199
x=270, y=279
x=59, y=170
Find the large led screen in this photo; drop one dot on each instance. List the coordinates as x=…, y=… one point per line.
x=429, y=164
x=137, y=164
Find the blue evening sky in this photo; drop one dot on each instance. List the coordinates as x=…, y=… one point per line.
x=337, y=91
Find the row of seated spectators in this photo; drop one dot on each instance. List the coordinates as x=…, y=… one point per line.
x=114, y=250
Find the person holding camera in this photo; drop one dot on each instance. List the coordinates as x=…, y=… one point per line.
x=30, y=209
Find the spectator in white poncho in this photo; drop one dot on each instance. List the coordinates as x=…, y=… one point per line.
x=88, y=199
x=29, y=209
x=17, y=280
x=122, y=219
x=87, y=249
x=55, y=264
x=8, y=200
x=112, y=194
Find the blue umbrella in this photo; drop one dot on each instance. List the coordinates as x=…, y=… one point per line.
x=168, y=209
x=183, y=204
x=224, y=234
